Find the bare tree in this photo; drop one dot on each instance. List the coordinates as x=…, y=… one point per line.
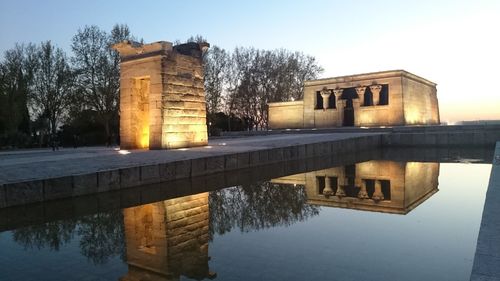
x=15, y=79
x=216, y=62
x=97, y=69
x=257, y=77
x=243, y=82
x=52, y=83
x=257, y=206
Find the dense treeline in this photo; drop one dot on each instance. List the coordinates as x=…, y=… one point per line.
x=241, y=83
x=48, y=95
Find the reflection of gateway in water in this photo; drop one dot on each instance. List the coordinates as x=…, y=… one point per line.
x=381, y=186
x=168, y=239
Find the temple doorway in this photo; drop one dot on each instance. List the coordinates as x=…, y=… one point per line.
x=349, y=94
x=348, y=114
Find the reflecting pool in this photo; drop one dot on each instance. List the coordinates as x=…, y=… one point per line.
x=375, y=217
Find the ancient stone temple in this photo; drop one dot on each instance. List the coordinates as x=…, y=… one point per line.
x=162, y=99
x=377, y=185
x=388, y=98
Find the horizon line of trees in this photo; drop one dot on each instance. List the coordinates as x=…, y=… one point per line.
x=46, y=94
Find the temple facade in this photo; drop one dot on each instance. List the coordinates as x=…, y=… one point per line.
x=377, y=185
x=387, y=98
x=162, y=97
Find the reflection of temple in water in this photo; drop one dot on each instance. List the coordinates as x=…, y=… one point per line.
x=382, y=186
x=167, y=239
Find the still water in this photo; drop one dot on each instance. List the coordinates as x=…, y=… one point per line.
x=367, y=220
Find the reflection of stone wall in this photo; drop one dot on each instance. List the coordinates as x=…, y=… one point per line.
x=383, y=186
x=420, y=179
x=187, y=229
x=162, y=99
x=165, y=240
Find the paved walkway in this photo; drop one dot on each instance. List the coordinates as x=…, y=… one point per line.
x=487, y=260
x=24, y=165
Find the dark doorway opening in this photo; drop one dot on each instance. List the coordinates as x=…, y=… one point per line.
x=348, y=95
x=368, y=99
x=319, y=101
x=350, y=189
x=348, y=114
x=384, y=95
x=331, y=101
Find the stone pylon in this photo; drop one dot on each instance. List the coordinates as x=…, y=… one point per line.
x=162, y=98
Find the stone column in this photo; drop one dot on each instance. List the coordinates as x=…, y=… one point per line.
x=362, y=194
x=375, y=89
x=361, y=94
x=355, y=105
x=338, y=95
x=325, y=94
x=339, y=104
x=328, y=191
x=340, y=192
x=378, y=195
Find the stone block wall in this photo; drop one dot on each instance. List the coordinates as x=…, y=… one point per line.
x=184, y=106
x=412, y=100
x=420, y=101
x=162, y=99
x=383, y=115
x=375, y=115
x=284, y=115
x=140, y=91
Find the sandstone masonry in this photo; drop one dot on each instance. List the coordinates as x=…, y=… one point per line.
x=162, y=99
x=387, y=98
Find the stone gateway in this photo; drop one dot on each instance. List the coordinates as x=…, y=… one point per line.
x=162, y=99
x=387, y=98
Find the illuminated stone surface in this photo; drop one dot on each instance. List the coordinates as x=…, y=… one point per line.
x=24, y=174
x=168, y=239
x=380, y=186
x=388, y=98
x=162, y=99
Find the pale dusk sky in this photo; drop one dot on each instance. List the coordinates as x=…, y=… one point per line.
x=455, y=44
